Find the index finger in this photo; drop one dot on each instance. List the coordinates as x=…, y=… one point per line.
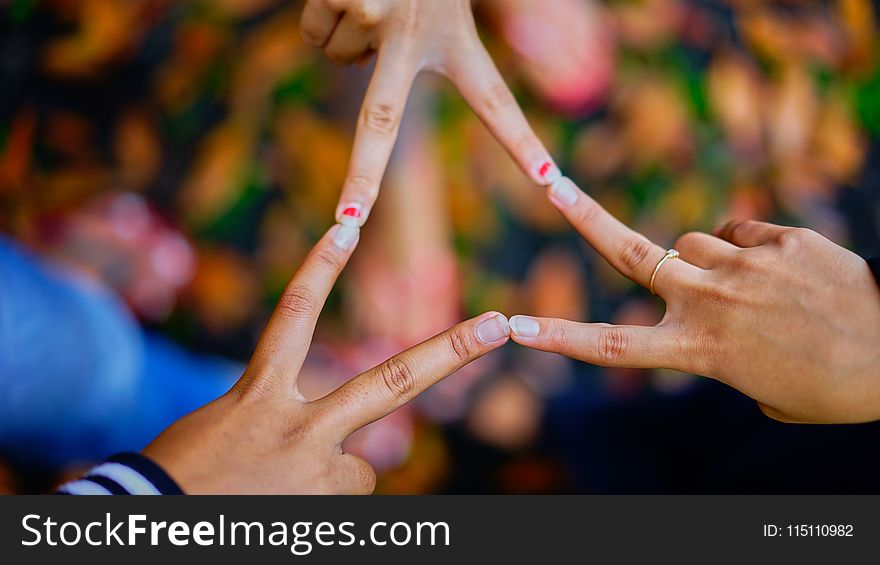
x=285, y=342
x=632, y=254
x=385, y=388
x=376, y=133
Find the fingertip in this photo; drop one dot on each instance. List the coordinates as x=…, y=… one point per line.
x=344, y=238
x=492, y=328
x=563, y=193
x=525, y=327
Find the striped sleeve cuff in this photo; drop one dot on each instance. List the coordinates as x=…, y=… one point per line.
x=124, y=474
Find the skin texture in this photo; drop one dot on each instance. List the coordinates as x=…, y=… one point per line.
x=781, y=314
x=410, y=36
x=264, y=437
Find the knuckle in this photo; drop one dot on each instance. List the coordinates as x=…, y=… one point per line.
x=364, y=184
x=329, y=258
x=380, y=118
x=612, y=346
x=588, y=212
x=368, y=13
x=297, y=301
x=793, y=239
x=460, y=345
x=555, y=334
x=634, y=253
x=746, y=261
x=526, y=143
x=397, y=378
x=497, y=99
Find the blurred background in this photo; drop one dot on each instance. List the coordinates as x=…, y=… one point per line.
x=165, y=165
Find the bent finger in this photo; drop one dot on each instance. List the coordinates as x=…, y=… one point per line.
x=349, y=42
x=749, y=233
x=318, y=22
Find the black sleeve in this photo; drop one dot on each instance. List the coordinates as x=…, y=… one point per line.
x=126, y=473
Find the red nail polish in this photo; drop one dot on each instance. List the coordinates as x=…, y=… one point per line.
x=352, y=215
x=547, y=173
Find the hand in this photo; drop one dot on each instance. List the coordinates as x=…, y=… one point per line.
x=264, y=437
x=781, y=314
x=411, y=36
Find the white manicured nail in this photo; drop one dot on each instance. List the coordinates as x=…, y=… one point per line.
x=352, y=214
x=548, y=172
x=345, y=237
x=564, y=192
x=524, y=326
x=493, y=329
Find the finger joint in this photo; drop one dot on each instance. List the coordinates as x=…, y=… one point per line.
x=330, y=259
x=297, y=302
x=381, y=118
x=498, y=99
x=397, y=378
x=459, y=345
x=613, y=345
x=634, y=253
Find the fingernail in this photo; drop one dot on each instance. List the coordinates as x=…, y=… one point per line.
x=548, y=172
x=352, y=215
x=524, y=326
x=345, y=237
x=494, y=329
x=564, y=192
